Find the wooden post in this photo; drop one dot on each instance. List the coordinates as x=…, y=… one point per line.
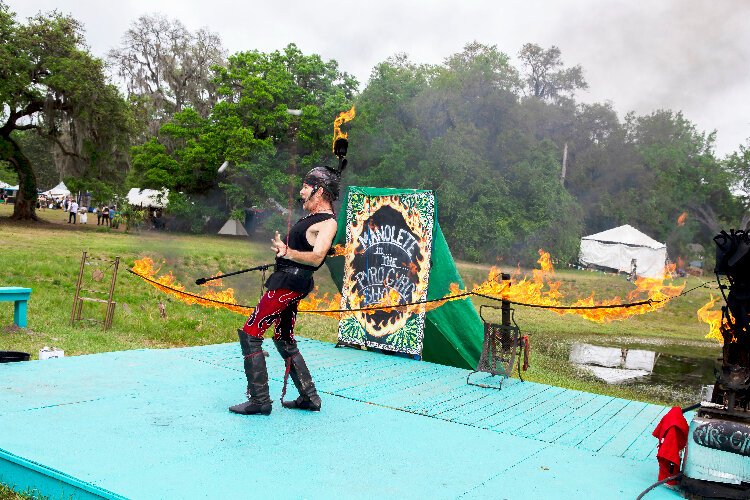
x=78, y=288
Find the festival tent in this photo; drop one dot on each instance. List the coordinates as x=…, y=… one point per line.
x=59, y=191
x=4, y=185
x=233, y=228
x=148, y=197
x=453, y=332
x=617, y=248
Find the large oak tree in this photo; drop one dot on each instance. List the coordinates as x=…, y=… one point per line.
x=51, y=84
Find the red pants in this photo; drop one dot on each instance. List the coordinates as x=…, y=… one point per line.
x=277, y=307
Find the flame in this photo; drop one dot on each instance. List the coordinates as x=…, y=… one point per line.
x=342, y=250
x=323, y=305
x=168, y=284
x=713, y=319
x=681, y=219
x=542, y=290
x=342, y=118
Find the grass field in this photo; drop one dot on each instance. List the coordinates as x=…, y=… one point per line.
x=46, y=258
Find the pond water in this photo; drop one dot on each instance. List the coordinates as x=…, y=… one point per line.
x=673, y=370
x=617, y=365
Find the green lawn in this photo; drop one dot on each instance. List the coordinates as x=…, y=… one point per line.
x=46, y=258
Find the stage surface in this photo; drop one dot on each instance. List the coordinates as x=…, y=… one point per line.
x=154, y=424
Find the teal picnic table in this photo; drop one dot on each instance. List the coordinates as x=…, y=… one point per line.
x=20, y=297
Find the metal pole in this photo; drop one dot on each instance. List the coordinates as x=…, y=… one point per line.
x=505, y=305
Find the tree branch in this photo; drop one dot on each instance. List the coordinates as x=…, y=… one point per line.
x=26, y=127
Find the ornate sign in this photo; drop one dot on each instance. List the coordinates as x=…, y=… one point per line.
x=388, y=263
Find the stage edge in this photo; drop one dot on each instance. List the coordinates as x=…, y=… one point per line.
x=27, y=476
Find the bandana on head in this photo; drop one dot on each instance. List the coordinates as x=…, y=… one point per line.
x=325, y=178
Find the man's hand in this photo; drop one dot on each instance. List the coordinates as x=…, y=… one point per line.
x=278, y=246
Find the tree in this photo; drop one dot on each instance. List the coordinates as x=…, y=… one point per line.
x=165, y=67
x=50, y=83
x=546, y=78
x=250, y=127
x=738, y=165
x=40, y=152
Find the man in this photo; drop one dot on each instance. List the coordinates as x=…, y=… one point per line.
x=301, y=253
x=105, y=215
x=73, y=211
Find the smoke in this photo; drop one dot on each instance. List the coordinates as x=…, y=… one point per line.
x=683, y=55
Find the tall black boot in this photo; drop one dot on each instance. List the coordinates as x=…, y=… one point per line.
x=259, y=401
x=308, y=396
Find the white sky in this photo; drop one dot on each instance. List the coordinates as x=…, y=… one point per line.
x=688, y=55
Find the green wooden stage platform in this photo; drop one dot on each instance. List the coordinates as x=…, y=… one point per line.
x=154, y=424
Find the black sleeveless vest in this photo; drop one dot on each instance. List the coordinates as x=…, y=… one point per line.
x=303, y=281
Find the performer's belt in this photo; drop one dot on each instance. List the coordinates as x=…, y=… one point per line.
x=297, y=271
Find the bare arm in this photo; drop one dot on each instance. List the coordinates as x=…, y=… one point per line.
x=323, y=234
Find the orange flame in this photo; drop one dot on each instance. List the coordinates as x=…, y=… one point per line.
x=713, y=319
x=321, y=305
x=342, y=118
x=539, y=290
x=324, y=305
x=168, y=284
x=681, y=219
x=543, y=291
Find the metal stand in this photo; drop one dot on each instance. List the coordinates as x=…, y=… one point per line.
x=502, y=345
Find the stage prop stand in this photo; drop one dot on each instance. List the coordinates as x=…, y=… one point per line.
x=502, y=345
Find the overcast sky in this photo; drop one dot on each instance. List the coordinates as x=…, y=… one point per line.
x=685, y=55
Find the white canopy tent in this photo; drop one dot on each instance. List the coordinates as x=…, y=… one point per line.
x=4, y=185
x=617, y=248
x=148, y=197
x=59, y=191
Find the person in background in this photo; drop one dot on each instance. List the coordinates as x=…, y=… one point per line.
x=98, y=212
x=72, y=211
x=105, y=215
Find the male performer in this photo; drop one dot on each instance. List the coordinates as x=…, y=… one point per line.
x=297, y=257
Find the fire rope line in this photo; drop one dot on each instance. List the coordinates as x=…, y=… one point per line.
x=204, y=299
x=442, y=299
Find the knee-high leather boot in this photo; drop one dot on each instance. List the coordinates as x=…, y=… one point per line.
x=259, y=401
x=308, y=396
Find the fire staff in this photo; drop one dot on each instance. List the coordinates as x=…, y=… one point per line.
x=298, y=256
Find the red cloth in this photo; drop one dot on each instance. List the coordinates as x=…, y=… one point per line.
x=672, y=433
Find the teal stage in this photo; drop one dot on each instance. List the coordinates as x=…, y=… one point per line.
x=154, y=424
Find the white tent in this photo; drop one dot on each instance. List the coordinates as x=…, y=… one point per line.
x=59, y=191
x=234, y=228
x=148, y=197
x=617, y=248
x=4, y=185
